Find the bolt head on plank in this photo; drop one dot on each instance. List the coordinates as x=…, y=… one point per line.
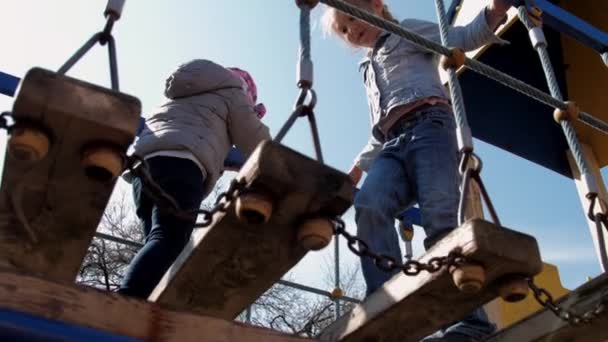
x=102, y=163
x=514, y=289
x=254, y=208
x=28, y=143
x=571, y=113
x=314, y=234
x=455, y=60
x=469, y=278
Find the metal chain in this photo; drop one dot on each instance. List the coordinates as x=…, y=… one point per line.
x=388, y=263
x=139, y=168
x=545, y=299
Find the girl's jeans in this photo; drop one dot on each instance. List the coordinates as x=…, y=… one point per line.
x=165, y=234
x=418, y=163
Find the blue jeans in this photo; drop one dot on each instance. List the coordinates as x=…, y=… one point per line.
x=165, y=234
x=418, y=163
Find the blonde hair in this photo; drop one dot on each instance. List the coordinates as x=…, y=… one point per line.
x=328, y=19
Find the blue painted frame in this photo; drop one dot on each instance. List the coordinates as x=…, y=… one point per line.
x=565, y=22
x=560, y=20
x=17, y=326
x=8, y=84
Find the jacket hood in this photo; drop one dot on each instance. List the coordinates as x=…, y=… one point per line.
x=199, y=76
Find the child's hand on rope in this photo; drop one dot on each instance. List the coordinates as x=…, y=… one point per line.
x=496, y=12
x=501, y=6
x=355, y=174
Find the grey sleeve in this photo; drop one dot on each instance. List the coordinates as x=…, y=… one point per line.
x=245, y=129
x=472, y=36
x=368, y=154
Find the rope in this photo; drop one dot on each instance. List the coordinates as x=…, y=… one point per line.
x=470, y=63
x=304, y=33
x=305, y=65
x=567, y=127
x=593, y=122
x=453, y=82
x=455, y=89
x=465, y=139
x=305, y=78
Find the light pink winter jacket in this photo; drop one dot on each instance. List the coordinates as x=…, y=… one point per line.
x=206, y=114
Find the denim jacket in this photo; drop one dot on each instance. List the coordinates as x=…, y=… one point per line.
x=396, y=72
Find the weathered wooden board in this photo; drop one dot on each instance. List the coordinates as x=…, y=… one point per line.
x=227, y=266
x=57, y=200
x=120, y=315
x=545, y=326
x=410, y=308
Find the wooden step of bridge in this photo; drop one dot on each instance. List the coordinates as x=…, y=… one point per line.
x=52, y=311
x=408, y=308
x=49, y=206
x=227, y=266
x=546, y=326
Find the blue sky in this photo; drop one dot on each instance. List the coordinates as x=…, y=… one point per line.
x=153, y=37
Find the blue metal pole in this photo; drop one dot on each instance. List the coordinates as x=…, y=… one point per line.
x=566, y=22
x=337, y=275
x=8, y=84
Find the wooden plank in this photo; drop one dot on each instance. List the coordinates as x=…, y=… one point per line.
x=58, y=201
x=545, y=326
x=120, y=315
x=421, y=304
x=227, y=266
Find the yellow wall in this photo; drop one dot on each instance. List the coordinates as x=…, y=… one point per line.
x=587, y=75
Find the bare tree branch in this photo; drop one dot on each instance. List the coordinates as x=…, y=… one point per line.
x=281, y=308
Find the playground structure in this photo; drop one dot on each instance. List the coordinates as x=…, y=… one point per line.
x=42, y=123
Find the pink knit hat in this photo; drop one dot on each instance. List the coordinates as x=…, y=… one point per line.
x=251, y=90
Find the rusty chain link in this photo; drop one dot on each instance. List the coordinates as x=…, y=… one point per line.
x=388, y=263
x=138, y=167
x=545, y=299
